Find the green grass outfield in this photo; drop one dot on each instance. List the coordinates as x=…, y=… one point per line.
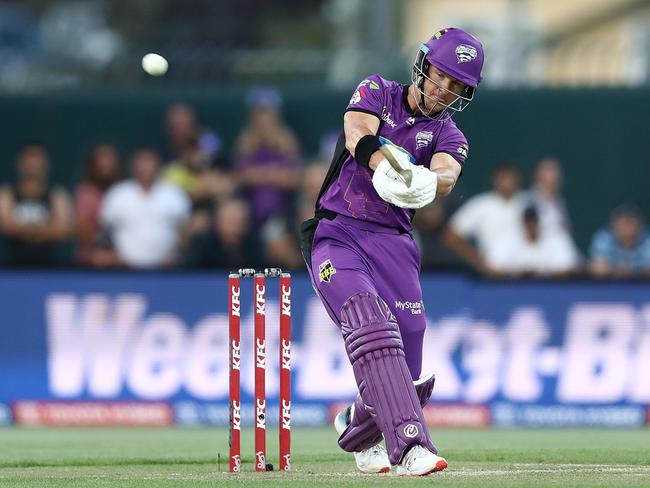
x=188, y=457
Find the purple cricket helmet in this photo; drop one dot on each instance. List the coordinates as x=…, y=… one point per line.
x=457, y=53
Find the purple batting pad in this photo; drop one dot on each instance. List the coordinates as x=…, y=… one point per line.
x=362, y=432
x=374, y=346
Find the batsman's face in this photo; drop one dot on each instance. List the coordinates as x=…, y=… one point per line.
x=441, y=89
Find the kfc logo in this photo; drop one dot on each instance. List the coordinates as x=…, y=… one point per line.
x=236, y=355
x=286, y=354
x=260, y=299
x=235, y=304
x=286, y=301
x=286, y=415
x=236, y=415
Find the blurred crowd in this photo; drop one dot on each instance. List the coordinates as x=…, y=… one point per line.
x=190, y=205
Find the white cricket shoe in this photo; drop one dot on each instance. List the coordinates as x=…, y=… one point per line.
x=419, y=461
x=371, y=460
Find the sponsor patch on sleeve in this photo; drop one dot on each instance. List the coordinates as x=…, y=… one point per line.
x=362, y=90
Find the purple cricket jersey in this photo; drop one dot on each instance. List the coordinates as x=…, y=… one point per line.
x=351, y=192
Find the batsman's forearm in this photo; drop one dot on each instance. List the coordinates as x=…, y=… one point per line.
x=356, y=126
x=375, y=159
x=354, y=134
x=352, y=138
x=446, y=182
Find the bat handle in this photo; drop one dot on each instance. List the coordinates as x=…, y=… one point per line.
x=407, y=174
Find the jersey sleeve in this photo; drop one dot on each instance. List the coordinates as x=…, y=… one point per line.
x=369, y=96
x=452, y=141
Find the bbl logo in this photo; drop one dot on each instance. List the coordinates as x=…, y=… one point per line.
x=325, y=271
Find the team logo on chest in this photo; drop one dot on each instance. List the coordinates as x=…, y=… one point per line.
x=423, y=139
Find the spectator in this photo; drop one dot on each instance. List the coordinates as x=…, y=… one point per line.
x=229, y=242
x=281, y=235
x=194, y=173
x=204, y=184
x=545, y=195
x=144, y=215
x=622, y=250
x=486, y=218
x=281, y=243
x=183, y=131
x=34, y=217
x=533, y=250
x=267, y=157
x=102, y=170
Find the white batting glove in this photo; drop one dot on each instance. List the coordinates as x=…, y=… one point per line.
x=392, y=187
x=402, y=159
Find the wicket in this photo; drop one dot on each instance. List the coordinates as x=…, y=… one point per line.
x=284, y=422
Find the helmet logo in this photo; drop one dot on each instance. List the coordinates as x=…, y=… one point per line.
x=465, y=53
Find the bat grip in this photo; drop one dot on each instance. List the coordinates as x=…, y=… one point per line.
x=407, y=174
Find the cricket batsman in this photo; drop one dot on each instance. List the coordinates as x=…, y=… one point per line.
x=400, y=150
